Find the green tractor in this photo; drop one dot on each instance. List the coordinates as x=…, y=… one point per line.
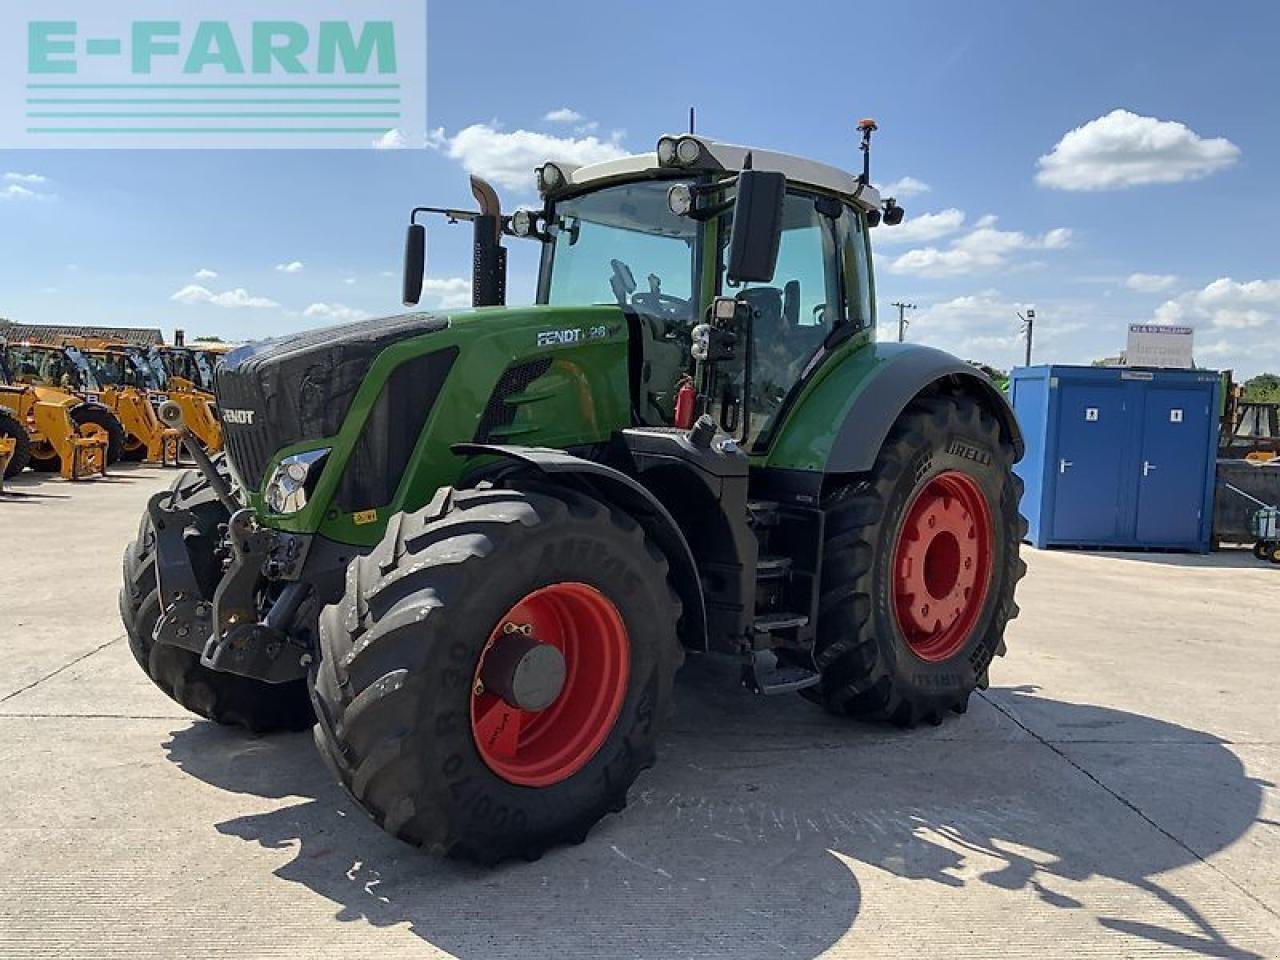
x=473, y=548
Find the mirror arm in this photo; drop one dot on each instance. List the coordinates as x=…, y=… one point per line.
x=453, y=215
x=708, y=213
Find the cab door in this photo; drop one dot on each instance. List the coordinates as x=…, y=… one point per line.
x=794, y=313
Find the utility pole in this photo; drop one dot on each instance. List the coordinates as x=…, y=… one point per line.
x=902, y=318
x=1028, y=329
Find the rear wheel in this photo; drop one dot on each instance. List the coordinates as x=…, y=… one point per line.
x=12, y=428
x=224, y=697
x=44, y=457
x=493, y=679
x=134, y=450
x=920, y=565
x=95, y=421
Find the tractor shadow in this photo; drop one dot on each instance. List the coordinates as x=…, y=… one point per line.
x=750, y=836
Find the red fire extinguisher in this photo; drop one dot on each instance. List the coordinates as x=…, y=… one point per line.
x=686, y=398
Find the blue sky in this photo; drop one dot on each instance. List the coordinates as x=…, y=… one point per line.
x=1165, y=210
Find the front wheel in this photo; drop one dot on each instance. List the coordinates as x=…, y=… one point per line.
x=95, y=421
x=493, y=679
x=12, y=428
x=225, y=698
x=919, y=570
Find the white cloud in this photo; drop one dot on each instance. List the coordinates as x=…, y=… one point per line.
x=1151, y=282
x=1123, y=149
x=336, y=312
x=984, y=326
x=293, y=266
x=24, y=186
x=448, y=293
x=391, y=140
x=204, y=273
x=920, y=229
x=984, y=248
x=1227, y=304
x=508, y=158
x=349, y=281
x=237, y=298
x=904, y=187
x=563, y=115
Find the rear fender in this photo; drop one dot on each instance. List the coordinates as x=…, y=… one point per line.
x=840, y=423
x=615, y=487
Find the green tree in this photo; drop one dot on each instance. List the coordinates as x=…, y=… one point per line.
x=1264, y=388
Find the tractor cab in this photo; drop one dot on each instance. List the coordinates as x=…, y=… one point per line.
x=655, y=236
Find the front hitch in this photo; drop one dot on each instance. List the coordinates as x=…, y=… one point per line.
x=240, y=642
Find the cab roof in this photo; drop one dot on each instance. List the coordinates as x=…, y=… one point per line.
x=722, y=157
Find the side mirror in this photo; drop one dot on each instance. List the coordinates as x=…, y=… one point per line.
x=757, y=226
x=415, y=262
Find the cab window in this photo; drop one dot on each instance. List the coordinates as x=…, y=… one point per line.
x=795, y=311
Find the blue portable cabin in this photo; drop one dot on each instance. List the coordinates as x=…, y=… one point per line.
x=1117, y=457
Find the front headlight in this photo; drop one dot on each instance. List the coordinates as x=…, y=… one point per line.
x=294, y=480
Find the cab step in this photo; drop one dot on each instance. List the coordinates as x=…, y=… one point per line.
x=764, y=513
x=778, y=622
x=766, y=675
x=772, y=567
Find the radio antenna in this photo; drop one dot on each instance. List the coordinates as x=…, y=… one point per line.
x=691, y=119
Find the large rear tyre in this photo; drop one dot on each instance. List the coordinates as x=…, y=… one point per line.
x=92, y=420
x=223, y=697
x=493, y=679
x=920, y=564
x=12, y=428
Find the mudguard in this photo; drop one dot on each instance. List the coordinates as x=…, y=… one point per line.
x=840, y=422
x=618, y=488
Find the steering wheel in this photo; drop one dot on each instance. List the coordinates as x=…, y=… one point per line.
x=664, y=305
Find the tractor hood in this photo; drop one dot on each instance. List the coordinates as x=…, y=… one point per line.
x=276, y=393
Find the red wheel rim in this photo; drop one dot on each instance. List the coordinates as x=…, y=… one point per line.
x=942, y=565
x=538, y=748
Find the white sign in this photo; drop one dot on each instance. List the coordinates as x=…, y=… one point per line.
x=1159, y=345
x=212, y=73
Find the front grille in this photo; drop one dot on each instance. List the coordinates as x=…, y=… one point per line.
x=300, y=388
x=249, y=445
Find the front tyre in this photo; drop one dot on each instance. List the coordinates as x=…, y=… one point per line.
x=920, y=565
x=493, y=679
x=12, y=428
x=95, y=421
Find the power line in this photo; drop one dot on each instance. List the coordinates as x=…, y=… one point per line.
x=902, y=318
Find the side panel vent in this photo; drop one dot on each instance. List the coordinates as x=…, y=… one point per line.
x=498, y=412
x=386, y=443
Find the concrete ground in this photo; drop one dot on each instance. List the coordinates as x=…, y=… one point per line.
x=1113, y=794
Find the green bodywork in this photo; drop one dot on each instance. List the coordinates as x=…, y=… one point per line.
x=583, y=398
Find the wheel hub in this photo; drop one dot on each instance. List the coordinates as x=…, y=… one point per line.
x=549, y=684
x=942, y=565
x=525, y=672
